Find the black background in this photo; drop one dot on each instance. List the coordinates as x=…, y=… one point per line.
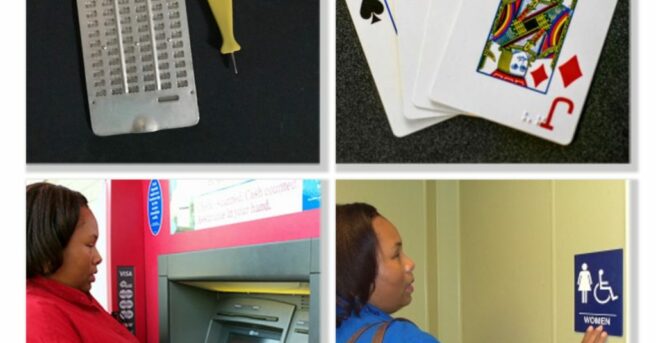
x=364, y=135
x=267, y=113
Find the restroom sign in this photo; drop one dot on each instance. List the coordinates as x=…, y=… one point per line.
x=598, y=291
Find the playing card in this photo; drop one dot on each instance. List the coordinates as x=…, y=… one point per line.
x=440, y=17
x=527, y=64
x=411, y=16
x=375, y=25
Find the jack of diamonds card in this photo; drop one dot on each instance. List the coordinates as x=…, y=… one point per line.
x=535, y=69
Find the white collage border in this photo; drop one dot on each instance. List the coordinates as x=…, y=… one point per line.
x=642, y=170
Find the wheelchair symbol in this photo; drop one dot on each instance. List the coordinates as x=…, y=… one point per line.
x=604, y=286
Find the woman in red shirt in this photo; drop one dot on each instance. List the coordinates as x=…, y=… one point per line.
x=62, y=261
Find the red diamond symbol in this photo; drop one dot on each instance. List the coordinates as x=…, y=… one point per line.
x=539, y=75
x=570, y=71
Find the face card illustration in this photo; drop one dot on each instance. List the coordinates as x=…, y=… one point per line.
x=537, y=62
x=378, y=36
x=526, y=40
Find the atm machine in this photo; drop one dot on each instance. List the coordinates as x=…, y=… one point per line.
x=265, y=293
x=260, y=319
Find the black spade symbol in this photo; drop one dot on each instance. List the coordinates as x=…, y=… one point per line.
x=370, y=8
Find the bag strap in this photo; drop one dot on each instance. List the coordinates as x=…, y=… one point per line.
x=380, y=331
x=359, y=333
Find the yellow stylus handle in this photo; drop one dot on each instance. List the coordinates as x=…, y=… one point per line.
x=222, y=10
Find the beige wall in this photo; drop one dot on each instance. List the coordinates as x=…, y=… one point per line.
x=506, y=254
x=518, y=245
x=495, y=258
x=447, y=245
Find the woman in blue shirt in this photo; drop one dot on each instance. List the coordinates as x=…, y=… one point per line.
x=375, y=279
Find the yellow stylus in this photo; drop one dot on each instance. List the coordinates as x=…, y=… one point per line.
x=222, y=11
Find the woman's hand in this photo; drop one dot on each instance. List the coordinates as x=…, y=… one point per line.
x=597, y=335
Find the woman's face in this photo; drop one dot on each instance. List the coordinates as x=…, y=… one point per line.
x=393, y=284
x=80, y=254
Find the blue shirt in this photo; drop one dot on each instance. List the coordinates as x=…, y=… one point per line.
x=399, y=331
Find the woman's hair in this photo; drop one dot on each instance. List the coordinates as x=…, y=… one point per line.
x=52, y=215
x=357, y=264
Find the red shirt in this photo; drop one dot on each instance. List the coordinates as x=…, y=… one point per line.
x=59, y=313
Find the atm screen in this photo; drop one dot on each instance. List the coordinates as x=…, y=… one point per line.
x=239, y=338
